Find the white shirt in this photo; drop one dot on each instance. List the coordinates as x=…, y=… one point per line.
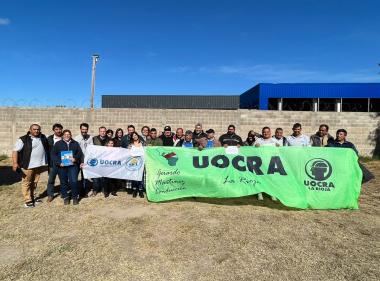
x=55, y=138
x=280, y=141
x=265, y=142
x=38, y=155
x=83, y=143
x=301, y=140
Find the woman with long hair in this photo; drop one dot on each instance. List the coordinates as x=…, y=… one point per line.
x=119, y=133
x=137, y=186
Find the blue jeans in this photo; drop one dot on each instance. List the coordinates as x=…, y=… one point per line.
x=68, y=176
x=53, y=172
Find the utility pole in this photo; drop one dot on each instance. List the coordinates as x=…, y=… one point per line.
x=95, y=59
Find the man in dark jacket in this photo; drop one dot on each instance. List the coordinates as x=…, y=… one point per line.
x=230, y=138
x=30, y=156
x=101, y=140
x=198, y=135
x=53, y=169
x=322, y=137
x=127, y=138
x=167, y=136
x=340, y=141
x=67, y=156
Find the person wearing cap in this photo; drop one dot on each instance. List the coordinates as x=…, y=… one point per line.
x=187, y=142
x=230, y=138
x=198, y=134
x=210, y=141
x=167, y=136
x=153, y=140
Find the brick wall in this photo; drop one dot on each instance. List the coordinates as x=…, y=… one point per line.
x=14, y=122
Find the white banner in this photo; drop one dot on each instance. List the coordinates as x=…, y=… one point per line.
x=113, y=162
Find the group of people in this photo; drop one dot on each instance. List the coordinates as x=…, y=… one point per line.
x=34, y=152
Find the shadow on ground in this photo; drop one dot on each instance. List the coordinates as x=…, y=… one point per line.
x=7, y=176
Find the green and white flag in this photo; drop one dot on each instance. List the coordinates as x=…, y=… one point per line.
x=300, y=177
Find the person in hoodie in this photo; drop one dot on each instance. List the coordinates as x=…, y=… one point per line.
x=230, y=138
x=53, y=169
x=322, y=137
x=198, y=135
x=68, y=170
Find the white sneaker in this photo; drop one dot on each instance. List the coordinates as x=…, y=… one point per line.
x=260, y=196
x=29, y=205
x=274, y=198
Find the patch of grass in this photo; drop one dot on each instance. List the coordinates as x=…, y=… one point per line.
x=365, y=159
x=3, y=157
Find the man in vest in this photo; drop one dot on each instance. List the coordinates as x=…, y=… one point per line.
x=30, y=157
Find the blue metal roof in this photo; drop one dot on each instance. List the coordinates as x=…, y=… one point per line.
x=263, y=91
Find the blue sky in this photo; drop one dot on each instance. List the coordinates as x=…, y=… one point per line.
x=180, y=47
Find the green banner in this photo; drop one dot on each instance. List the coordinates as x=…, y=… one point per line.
x=300, y=177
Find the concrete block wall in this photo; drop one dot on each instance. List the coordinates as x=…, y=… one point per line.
x=15, y=122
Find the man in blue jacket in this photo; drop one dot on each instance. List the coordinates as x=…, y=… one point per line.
x=67, y=157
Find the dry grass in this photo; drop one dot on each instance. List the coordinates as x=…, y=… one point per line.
x=204, y=239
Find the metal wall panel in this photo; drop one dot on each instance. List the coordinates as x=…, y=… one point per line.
x=165, y=101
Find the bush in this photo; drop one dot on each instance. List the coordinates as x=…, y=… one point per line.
x=3, y=157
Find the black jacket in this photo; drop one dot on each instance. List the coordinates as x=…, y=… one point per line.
x=167, y=141
x=230, y=139
x=50, y=140
x=346, y=144
x=63, y=146
x=126, y=141
x=24, y=154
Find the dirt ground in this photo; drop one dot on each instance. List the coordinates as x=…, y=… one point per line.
x=122, y=238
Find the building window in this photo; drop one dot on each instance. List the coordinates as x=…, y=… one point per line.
x=297, y=104
x=355, y=105
x=327, y=105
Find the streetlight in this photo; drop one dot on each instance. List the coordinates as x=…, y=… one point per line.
x=95, y=59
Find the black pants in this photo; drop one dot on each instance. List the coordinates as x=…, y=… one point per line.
x=110, y=185
x=137, y=185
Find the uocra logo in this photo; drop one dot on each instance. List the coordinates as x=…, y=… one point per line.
x=92, y=162
x=318, y=170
